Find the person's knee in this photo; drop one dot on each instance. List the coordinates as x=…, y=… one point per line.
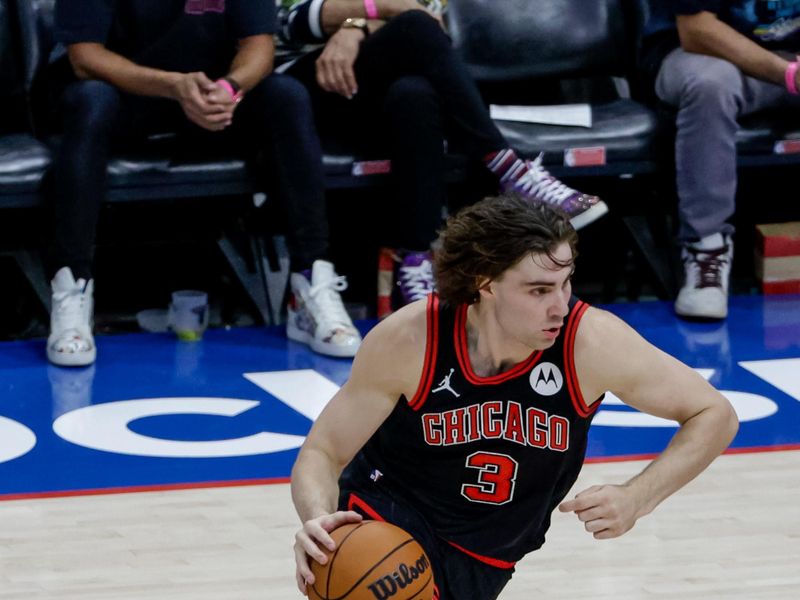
x=719, y=85
x=282, y=95
x=92, y=103
x=420, y=29
x=411, y=93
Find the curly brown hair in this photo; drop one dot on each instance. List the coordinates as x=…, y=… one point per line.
x=485, y=239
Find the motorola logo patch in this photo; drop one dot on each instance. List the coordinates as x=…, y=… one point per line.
x=546, y=379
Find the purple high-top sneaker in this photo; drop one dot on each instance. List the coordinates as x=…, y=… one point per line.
x=538, y=185
x=415, y=276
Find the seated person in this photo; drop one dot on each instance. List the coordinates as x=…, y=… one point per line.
x=384, y=72
x=201, y=69
x=716, y=60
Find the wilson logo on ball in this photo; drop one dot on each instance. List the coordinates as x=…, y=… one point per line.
x=388, y=585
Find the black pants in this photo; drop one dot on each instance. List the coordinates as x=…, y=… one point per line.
x=98, y=118
x=414, y=92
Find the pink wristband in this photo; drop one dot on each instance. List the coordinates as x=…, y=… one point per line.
x=372, y=10
x=789, y=77
x=237, y=96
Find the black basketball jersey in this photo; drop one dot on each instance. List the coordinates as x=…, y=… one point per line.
x=484, y=459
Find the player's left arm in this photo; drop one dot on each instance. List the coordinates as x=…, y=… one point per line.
x=611, y=356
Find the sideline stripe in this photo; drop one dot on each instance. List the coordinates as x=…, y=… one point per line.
x=162, y=487
x=168, y=487
x=729, y=451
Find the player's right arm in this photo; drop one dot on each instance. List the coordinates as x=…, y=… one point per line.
x=388, y=365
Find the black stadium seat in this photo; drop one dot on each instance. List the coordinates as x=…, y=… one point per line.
x=523, y=46
x=160, y=170
x=23, y=159
x=527, y=52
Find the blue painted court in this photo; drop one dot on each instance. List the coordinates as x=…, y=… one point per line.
x=233, y=409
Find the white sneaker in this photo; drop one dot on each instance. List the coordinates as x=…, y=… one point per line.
x=70, y=343
x=316, y=314
x=708, y=267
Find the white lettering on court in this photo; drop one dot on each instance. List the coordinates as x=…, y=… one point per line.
x=15, y=440
x=105, y=427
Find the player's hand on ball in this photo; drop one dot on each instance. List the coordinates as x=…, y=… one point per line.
x=312, y=537
x=606, y=511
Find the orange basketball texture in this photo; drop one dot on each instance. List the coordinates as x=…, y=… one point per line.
x=373, y=560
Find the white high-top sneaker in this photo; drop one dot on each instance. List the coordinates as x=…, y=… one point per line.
x=317, y=316
x=71, y=343
x=707, y=265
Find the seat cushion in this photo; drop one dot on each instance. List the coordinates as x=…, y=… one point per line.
x=163, y=167
x=168, y=161
x=351, y=169
x=760, y=132
x=139, y=171
x=626, y=129
x=23, y=163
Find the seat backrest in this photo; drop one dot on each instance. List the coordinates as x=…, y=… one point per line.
x=12, y=90
x=10, y=66
x=36, y=32
x=517, y=40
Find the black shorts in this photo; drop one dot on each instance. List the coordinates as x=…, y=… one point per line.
x=457, y=576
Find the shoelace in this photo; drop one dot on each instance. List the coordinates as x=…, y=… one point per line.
x=538, y=182
x=709, y=265
x=69, y=309
x=326, y=296
x=418, y=281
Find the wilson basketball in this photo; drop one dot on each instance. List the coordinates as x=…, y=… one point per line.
x=373, y=560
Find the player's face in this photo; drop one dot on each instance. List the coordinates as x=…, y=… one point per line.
x=531, y=298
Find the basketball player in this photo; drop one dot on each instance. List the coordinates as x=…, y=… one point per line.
x=465, y=418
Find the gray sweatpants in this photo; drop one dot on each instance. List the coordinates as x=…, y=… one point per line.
x=710, y=94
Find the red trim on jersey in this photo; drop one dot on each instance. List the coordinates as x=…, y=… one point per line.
x=462, y=353
x=431, y=348
x=495, y=562
x=569, y=361
x=355, y=502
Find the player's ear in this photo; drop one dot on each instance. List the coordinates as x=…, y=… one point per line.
x=485, y=286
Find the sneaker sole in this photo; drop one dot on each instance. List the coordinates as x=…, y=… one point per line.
x=298, y=335
x=683, y=311
x=589, y=216
x=72, y=359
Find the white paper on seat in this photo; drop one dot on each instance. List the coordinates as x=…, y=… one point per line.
x=574, y=115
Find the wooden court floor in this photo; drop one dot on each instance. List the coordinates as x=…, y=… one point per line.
x=732, y=534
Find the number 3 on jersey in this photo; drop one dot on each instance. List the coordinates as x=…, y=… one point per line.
x=496, y=476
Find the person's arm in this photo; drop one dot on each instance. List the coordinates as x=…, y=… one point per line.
x=704, y=33
x=335, y=65
x=334, y=12
x=253, y=61
x=91, y=60
x=388, y=365
x=610, y=356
